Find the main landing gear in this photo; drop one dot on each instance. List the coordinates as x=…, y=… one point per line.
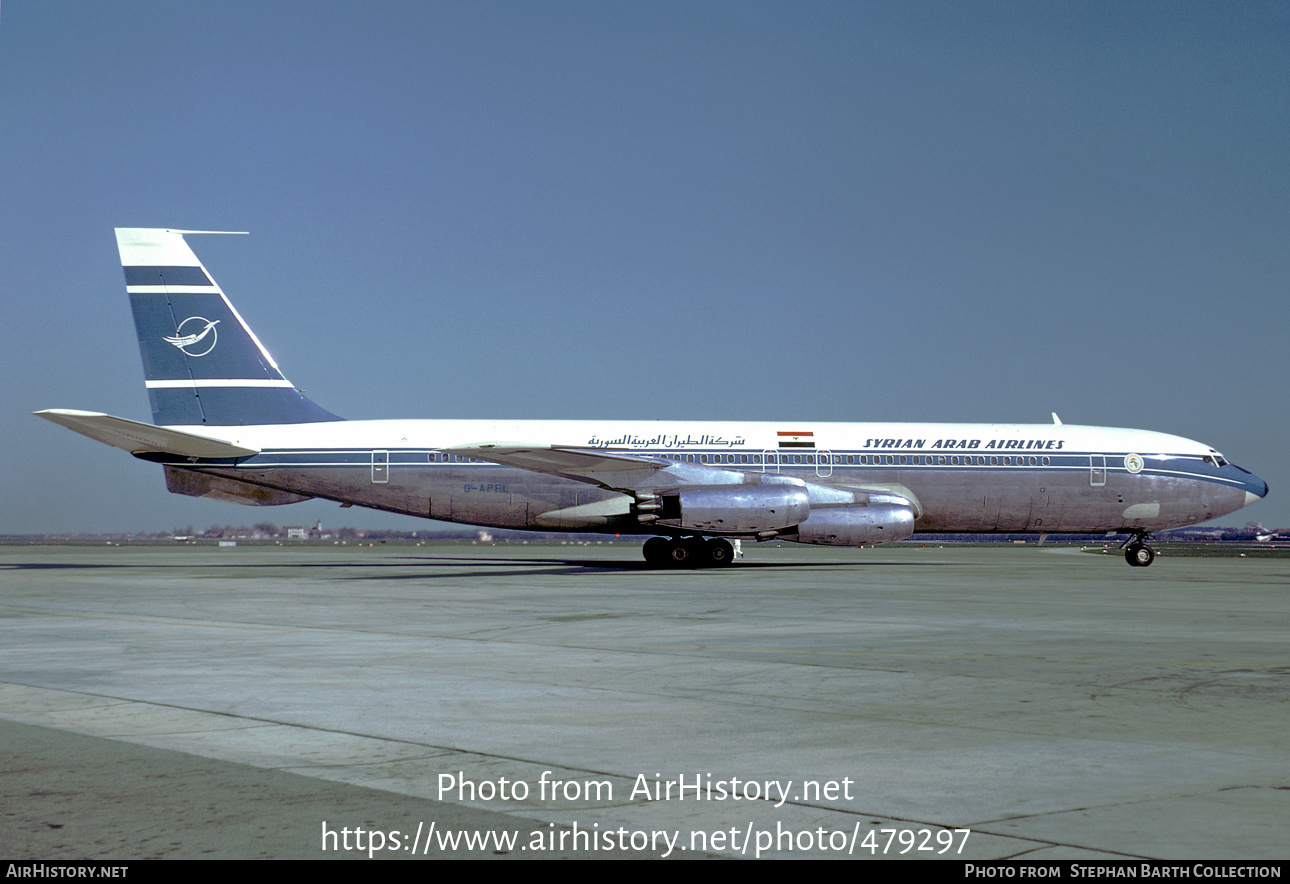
x=688, y=552
x=1136, y=551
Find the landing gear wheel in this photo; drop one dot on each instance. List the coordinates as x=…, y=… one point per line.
x=720, y=552
x=1139, y=554
x=655, y=551
x=682, y=553
x=688, y=552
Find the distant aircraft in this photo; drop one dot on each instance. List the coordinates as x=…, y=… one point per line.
x=1261, y=534
x=229, y=426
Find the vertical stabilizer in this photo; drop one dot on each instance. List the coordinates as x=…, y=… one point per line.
x=202, y=364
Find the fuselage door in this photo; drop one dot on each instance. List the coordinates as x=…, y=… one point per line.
x=823, y=464
x=769, y=462
x=1097, y=470
x=380, y=467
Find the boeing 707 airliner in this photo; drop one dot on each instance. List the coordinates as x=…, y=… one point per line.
x=228, y=425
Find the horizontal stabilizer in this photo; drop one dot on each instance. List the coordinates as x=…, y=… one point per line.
x=140, y=438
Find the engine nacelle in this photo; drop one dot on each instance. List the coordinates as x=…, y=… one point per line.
x=857, y=525
x=736, y=509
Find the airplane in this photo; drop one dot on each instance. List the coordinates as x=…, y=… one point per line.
x=228, y=425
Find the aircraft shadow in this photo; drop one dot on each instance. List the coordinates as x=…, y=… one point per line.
x=480, y=566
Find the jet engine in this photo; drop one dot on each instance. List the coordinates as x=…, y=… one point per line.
x=856, y=525
x=736, y=509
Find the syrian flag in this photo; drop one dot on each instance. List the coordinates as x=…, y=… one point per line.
x=796, y=439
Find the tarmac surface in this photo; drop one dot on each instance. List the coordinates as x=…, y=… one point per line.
x=189, y=702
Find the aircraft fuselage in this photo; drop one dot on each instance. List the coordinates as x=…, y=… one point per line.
x=964, y=477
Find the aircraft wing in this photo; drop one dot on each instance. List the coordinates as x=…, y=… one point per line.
x=608, y=469
x=140, y=438
x=642, y=474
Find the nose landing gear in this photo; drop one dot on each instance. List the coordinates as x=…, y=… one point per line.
x=1136, y=551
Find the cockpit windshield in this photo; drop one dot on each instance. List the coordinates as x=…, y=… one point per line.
x=1215, y=459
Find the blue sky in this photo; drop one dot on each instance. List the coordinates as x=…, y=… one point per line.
x=747, y=211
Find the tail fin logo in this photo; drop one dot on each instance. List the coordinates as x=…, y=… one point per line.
x=194, y=338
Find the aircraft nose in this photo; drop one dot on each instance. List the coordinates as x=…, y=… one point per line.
x=1255, y=488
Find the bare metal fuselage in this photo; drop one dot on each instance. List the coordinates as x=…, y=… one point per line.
x=962, y=477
